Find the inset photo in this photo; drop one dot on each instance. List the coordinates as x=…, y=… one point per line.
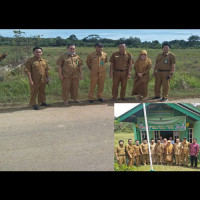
x=156, y=137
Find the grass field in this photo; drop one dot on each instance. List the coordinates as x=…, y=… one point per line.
x=14, y=87
x=125, y=137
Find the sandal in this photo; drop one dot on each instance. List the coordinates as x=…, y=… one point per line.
x=66, y=103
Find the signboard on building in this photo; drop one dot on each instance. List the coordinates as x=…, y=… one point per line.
x=166, y=124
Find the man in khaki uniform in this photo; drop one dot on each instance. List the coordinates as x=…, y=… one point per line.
x=37, y=71
x=177, y=152
x=159, y=152
x=131, y=153
x=96, y=63
x=163, y=72
x=137, y=150
x=2, y=56
x=70, y=71
x=120, y=153
x=145, y=152
x=152, y=148
x=120, y=71
x=185, y=151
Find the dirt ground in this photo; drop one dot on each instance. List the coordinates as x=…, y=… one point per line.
x=57, y=138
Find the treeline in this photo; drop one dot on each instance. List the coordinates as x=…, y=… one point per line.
x=19, y=40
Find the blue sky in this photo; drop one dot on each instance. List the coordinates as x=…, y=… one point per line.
x=144, y=34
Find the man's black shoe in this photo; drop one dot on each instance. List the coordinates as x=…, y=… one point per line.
x=163, y=99
x=124, y=99
x=44, y=104
x=102, y=100
x=156, y=98
x=35, y=107
x=91, y=101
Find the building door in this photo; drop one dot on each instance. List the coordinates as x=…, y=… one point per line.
x=156, y=135
x=166, y=134
x=176, y=135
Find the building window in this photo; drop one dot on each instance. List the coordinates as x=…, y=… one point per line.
x=190, y=134
x=156, y=135
x=143, y=135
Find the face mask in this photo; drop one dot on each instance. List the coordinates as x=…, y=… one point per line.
x=69, y=53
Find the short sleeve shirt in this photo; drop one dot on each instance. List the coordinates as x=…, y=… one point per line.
x=96, y=63
x=70, y=65
x=121, y=61
x=37, y=68
x=165, y=61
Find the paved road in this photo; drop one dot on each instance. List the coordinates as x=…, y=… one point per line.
x=76, y=138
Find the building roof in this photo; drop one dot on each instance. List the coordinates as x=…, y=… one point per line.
x=185, y=108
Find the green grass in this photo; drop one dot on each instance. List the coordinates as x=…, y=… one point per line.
x=155, y=168
x=15, y=88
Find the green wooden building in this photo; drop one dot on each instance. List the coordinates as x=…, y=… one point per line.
x=165, y=119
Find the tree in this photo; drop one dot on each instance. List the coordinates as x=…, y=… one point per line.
x=91, y=38
x=193, y=40
x=72, y=37
x=59, y=41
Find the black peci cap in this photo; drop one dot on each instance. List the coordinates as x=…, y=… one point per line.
x=98, y=44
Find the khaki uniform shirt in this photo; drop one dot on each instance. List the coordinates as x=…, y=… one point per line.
x=37, y=68
x=185, y=147
x=142, y=66
x=169, y=149
x=152, y=148
x=144, y=148
x=121, y=61
x=130, y=149
x=70, y=65
x=137, y=150
x=159, y=149
x=96, y=63
x=165, y=61
x=177, y=148
x=120, y=151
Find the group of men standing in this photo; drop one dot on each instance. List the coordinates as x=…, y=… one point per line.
x=162, y=152
x=70, y=72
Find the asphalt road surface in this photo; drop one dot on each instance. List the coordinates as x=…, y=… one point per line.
x=57, y=138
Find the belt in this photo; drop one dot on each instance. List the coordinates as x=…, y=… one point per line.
x=120, y=70
x=163, y=70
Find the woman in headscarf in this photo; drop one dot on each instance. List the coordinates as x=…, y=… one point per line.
x=169, y=152
x=142, y=67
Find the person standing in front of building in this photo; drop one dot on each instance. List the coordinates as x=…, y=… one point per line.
x=137, y=150
x=145, y=152
x=120, y=153
x=177, y=152
x=152, y=148
x=185, y=151
x=120, y=70
x=164, y=150
x=96, y=63
x=159, y=152
x=169, y=153
x=141, y=79
x=194, y=151
x=131, y=153
x=163, y=72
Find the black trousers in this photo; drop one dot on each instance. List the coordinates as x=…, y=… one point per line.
x=193, y=159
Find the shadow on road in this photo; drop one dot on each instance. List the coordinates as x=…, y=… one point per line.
x=109, y=102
